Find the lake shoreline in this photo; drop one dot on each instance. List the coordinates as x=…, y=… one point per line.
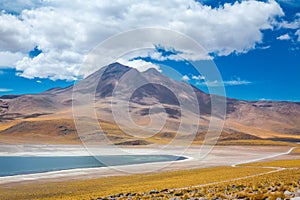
x=22, y=165
x=233, y=154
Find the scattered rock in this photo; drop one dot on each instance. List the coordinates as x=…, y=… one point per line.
x=291, y=190
x=120, y=195
x=178, y=194
x=128, y=194
x=153, y=192
x=288, y=193
x=164, y=190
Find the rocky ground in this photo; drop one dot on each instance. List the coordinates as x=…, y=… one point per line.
x=269, y=191
x=216, y=193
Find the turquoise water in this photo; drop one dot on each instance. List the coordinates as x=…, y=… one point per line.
x=16, y=165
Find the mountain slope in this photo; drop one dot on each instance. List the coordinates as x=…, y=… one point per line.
x=150, y=95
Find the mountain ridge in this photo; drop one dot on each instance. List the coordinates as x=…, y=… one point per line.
x=264, y=119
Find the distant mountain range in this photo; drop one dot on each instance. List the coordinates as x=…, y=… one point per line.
x=48, y=115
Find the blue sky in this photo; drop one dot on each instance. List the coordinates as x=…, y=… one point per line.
x=40, y=49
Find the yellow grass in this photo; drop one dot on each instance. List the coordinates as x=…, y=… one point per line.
x=4, y=126
x=269, y=186
x=296, y=151
x=93, y=188
x=47, y=134
x=257, y=143
x=277, y=163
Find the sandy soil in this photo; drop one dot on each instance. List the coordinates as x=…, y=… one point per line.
x=219, y=156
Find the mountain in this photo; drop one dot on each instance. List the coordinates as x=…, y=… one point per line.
x=150, y=95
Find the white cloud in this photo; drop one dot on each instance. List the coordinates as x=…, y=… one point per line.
x=175, y=54
x=67, y=30
x=139, y=64
x=292, y=25
x=14, y=34
x=265, y=47
x=215, y=83
x=9, y=59
x=19, y=5
x=284, y=37
x=54, y=65
x=298, y=35
x=188, y=56
x=294, y=3
x=193, y=77
x=156, y=56
x=5, y=90
x=185, y=78
x=237, y=82
x=38, y=81
x=199, y=77
x=264, y=99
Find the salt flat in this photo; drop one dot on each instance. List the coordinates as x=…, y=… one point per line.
x=219, y=156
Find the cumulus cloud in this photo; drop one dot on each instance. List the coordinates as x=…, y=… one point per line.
x=298, y=35
x=284, y=37
x=291, y=25
x=67, y=30
x=8, y=59
x=215, y=83
x=178, y=54
x=237, y=82
x=199, y=77
x=55, y=65
x=138, y=64
x=14, y=34
x=185, y=78
x=5, y=90
x=193, y=77
x=16, y=6
x=264, y=47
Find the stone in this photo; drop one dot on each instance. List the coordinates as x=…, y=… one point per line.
x=120, y=195
x=164, y=190
x=153, y=192
x=128, y=194
x=288, y=193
